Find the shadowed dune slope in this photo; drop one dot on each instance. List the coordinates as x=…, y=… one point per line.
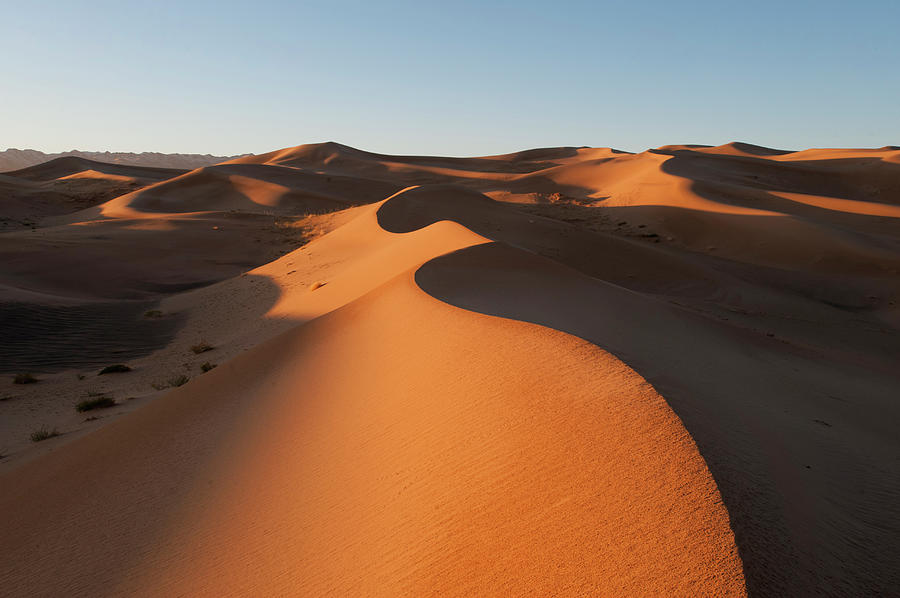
x=800, y=445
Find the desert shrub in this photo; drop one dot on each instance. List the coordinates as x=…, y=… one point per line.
x=202, y=347
x=207, y=366
x=114, y=369
x=98, y=403
x=180, y=380
x=287, y=223
x=24, y=379
x=43, y=433
x=153, y=313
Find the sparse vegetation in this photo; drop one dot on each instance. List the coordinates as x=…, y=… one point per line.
x=202, y=347
x=176, y=381
x=24, y=379
x=114, y=369
x=288, y=223
x=81, y=376
x=153, y=313
x=207, y=366
x=43, y=433
x=98, y=403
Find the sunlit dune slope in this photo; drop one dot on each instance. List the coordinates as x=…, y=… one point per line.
x=397, y=446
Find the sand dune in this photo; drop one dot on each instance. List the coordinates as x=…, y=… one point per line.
x=468, y=491
x=248, y=188
x=73, y=166
x=434, y=377
x=68, y=184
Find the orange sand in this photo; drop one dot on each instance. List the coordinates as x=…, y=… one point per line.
x=434, y=377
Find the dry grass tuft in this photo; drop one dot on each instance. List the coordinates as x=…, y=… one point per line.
x=174, y=382
x=99, y=403
x=202, y=347
x=43, y=433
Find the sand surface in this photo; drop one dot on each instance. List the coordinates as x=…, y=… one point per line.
x=564, y=371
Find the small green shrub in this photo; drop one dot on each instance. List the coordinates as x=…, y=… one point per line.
x=43, y=433
x=100, y=403
x=114, y=369
x=207, y=366
x=24, y=379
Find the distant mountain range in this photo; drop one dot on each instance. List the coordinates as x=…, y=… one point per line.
x=14, y=159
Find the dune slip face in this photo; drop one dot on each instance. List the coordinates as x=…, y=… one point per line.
x=564, y=371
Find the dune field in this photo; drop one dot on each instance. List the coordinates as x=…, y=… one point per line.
x=558, y=372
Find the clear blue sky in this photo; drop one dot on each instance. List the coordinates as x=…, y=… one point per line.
x=454, y=78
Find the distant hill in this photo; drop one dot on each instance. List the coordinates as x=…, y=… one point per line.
x=15, y=159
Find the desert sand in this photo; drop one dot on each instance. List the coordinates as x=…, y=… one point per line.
x=563, y=371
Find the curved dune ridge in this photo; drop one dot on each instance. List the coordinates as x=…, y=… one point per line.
x=395, y=446
x=563, y=371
